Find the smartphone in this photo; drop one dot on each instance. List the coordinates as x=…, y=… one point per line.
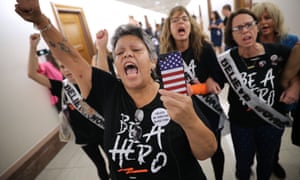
x=42, y=52
x=172, y=72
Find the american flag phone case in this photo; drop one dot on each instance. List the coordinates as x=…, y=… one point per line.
x=172, y=72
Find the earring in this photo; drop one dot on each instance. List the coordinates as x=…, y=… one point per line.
x=154, y=75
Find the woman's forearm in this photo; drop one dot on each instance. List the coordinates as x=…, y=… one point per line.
x=202, y=140
x=67, y=55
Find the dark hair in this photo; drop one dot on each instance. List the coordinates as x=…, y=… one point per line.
x=217, y=15
x=227, y=6
x=229, y=41
x=133, y=30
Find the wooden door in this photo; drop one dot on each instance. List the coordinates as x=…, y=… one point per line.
x=72, y=24
x=238, y=4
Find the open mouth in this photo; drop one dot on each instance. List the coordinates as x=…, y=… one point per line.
x=265, y=28
x=247, y=38
x=130, y=69
x=181, y=30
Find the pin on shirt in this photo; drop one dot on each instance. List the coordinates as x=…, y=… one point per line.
x=262, y=63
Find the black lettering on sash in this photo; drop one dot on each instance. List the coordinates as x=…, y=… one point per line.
x=243, y=94
x=224, y=62
x=72, y=94
x=269, y=116
x=214, y=103
x=75, y=99
x=76, y=102
x=236, y=83
x=70, y=91
x=228, y=69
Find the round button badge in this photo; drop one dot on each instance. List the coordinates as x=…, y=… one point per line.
x=160, y=117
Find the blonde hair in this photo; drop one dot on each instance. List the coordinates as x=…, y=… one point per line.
x=196, y=38
x=276, y=15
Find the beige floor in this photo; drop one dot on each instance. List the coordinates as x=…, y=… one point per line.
x=71, y=163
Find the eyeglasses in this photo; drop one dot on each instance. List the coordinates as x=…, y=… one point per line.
x=240, y=28
x=177, y=19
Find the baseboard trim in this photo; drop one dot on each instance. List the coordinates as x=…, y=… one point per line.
x=33, y=162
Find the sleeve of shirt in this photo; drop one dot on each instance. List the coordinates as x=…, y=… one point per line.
x=212, y=66
x=41, y=69
x=290, y=40
x=220, y=21
x=56, y=87
x=208, y=61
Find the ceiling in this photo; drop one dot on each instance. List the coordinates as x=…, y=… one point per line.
x=162, y=6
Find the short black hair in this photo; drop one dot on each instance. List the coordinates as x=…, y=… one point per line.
x=227, y=6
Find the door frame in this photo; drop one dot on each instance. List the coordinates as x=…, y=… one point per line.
x=57, y=8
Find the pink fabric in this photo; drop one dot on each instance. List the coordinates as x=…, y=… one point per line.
x=51, y=72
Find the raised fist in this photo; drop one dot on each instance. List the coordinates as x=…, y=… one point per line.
x=29, y=10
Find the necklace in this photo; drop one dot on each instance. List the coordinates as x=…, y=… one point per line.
x=249, y=64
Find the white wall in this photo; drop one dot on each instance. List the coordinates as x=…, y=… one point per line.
x=26, y=115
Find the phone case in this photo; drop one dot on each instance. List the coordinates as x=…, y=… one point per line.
x=42, y=52
x=172, y=72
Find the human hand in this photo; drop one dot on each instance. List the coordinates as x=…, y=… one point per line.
x=212, y=86
x=179, y=107
x=189, y=89
x=292, y=67
x=35, y=39
x=101, y=39
x=291, y=94
x=29, y=10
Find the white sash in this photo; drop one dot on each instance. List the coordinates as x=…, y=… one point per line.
x=81, y=106
x=262, y=109
x=209, y=100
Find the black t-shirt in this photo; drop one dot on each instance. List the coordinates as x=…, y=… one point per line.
x=202, y=69
x=261, y=74
x=141, y=143
x=225, y=21
x=85, y=131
